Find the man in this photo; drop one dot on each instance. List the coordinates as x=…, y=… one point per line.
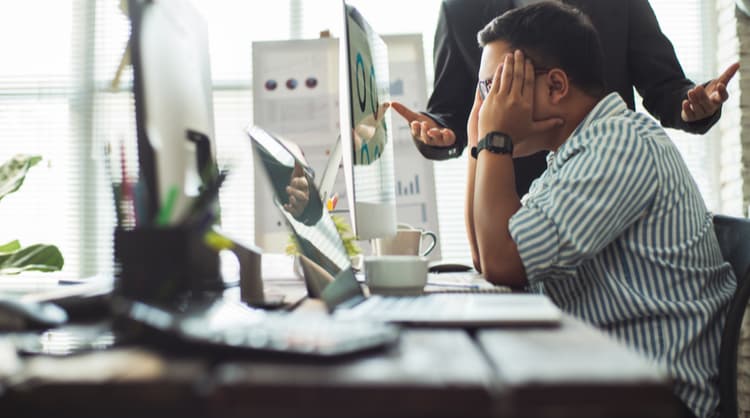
x=636, y=54
x=614, y=231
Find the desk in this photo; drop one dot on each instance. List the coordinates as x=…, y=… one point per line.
x=570, y=371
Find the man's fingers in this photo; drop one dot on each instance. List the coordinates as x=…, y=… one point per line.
x=407, y=113
x=688, y=115
x=381, y=110
x=425, y=133
x=416, y=129
x=441, y=137
x=295, y=193
x=449, y=137
x=519, y=73
x=727, y=75
x=503, y=77
x=720, y=95
x=698, y=100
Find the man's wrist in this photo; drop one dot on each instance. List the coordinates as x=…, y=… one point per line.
x=495, y=142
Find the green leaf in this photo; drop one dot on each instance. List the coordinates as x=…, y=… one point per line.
x=10, y=247
x=39, y=257
x=13, y=172
x=345, y=232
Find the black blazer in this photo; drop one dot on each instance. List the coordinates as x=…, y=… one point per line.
x=636, y=53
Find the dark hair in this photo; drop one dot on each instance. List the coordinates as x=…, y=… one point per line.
x=553, y=35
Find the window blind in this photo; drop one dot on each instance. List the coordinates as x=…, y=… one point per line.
x=56, y=100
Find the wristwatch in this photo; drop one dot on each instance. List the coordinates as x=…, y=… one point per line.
x=494, y=142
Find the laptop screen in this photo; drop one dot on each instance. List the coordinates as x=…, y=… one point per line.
x=296, y=196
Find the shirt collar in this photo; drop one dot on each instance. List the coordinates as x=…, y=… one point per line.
x=610, y=105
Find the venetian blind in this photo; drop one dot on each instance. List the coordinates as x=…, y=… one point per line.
x=56, y=100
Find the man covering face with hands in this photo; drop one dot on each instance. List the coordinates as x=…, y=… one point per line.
x=615, y=230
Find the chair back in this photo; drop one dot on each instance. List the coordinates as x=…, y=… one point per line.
x=734, y=239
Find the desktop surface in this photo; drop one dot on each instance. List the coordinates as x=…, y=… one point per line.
x=572, y=370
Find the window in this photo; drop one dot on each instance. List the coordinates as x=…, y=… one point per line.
x=56, y=100
x=687, y=23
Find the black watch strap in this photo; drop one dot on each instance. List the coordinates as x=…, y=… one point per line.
x=494, y=142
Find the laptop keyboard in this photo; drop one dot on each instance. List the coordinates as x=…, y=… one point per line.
x=388, y=308
x=479, y=290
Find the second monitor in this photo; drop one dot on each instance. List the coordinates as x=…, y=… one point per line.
x=366, y=134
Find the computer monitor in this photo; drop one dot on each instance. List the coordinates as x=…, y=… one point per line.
x=173, y=106
x=288, y=174
x=366, y=135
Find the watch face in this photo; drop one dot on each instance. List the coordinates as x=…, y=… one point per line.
x=498, y=143
x=497, y=140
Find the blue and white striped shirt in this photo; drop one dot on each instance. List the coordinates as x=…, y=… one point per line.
x=616, y=233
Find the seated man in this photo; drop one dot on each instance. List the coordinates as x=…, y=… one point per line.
x=614, y=231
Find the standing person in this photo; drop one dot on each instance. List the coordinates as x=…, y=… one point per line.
x=636, y=54
x=615, y=231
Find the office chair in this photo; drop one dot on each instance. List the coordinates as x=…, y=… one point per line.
x=734, y=240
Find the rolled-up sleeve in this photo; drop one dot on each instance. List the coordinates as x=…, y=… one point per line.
x=536, y=238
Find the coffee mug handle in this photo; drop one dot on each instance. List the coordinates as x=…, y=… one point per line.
x=432, y=244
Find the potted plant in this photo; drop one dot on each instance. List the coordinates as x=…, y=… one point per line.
x=15, y=258
x=345, y=232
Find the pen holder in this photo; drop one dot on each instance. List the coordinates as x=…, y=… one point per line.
x=164, y=265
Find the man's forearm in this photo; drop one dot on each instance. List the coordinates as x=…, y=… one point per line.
x=469, y=213
x=495, y=201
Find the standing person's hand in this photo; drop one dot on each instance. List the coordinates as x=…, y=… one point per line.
x=424, y=129
x=703, y=102
x=298, y=191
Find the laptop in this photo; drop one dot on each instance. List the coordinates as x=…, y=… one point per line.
x=322, y=247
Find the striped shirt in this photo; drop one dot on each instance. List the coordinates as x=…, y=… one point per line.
x=615, y=232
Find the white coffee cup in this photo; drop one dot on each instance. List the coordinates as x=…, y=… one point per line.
x=396, y=274
x=407, y=241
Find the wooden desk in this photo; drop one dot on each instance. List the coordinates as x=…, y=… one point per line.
x=431, y=373
x=571, y=371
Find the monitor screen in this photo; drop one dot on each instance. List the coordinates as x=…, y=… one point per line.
x=174, y=105
x=366, y=135
x=296, y=196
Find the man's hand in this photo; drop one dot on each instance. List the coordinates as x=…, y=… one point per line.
x=509, y=104
x=298, y=191
x=704, y=102
x=472, y=128
x=424, y=129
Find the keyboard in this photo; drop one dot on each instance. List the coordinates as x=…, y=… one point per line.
x=481, y=290
x=236, y=327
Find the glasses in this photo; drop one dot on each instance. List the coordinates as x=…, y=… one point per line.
x=485, y=85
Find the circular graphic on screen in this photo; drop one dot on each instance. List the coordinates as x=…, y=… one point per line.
x=271, y=85
x=291, y=84
x=311, y=82
x=361, y=91
x=373, y=96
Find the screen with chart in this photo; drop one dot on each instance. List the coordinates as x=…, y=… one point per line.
x=366, y=136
